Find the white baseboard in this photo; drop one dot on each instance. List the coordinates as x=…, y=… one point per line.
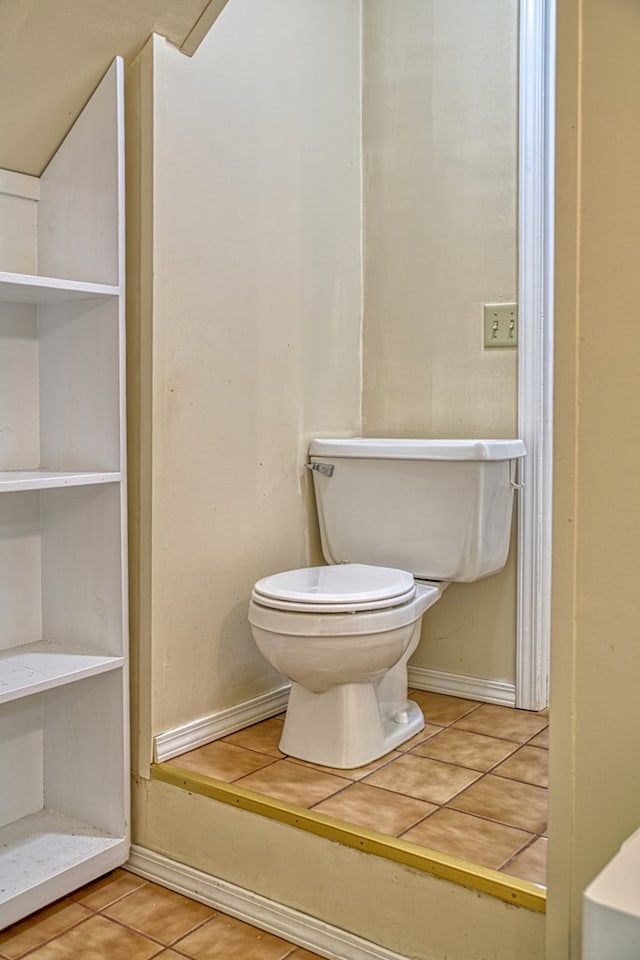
x=456, y=685
x=289, y=924
x=198, y=732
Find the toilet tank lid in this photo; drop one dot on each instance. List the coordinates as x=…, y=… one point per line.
x=417, y=449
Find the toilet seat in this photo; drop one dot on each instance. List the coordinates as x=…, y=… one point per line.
x=341, y=588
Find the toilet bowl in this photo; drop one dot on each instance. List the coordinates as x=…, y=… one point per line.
x=399, y=520
x=343, y=635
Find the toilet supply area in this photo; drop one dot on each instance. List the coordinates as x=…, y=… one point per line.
x=399, y=520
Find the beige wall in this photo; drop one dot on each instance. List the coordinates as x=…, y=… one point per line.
x=440, y=172
x=595, y=789
x=18, y=231
x=248, y=202
x=248, y=341
x=245, y=302
x=595, y=672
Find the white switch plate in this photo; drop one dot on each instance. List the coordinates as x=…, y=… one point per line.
x=500, y=324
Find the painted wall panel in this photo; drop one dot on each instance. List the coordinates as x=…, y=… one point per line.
x=595, y=667
x=256, y=324
x=440, y=235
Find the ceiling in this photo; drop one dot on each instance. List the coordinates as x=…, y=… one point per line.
x=53, y=54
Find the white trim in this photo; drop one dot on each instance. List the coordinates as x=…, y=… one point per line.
x=220, y=724
x=198, y=732
x=535, y=348
x=19, y=185
x=457, y=685
x=202, y=26
x=292, y=925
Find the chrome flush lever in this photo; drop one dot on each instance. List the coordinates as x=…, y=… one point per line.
x=326, y=469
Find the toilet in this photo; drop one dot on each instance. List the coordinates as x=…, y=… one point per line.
x=399, y=520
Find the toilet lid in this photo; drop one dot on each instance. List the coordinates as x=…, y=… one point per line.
x=345, y=587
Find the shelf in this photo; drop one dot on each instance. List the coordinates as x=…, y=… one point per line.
x=25, y=288
x=64, y=726
x=12, y=480
x=35, y=667
x=37, y=851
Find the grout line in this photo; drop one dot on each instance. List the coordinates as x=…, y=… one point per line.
x=487, y=819
x=125, y=926
x=530, y=843
x=251, y=772
x=525, y=846
x=150, y=936
x=48, y=940
x=496, y=736
x=106, y=906
x=529, y=783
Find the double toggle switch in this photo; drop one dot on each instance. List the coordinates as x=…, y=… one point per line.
x=500, y=324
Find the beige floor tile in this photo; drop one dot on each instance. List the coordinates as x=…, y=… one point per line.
x=531, y=864
x=98, y=939
x=293, y=783
x=542, y=740
x=355, y=773
x=222, y=761
x=32, y=932
x=528, y=764
x=517, y=804
x=262, y=737
x=108, y=889
x=377, y=809
x=470, y=838
x=430, y=730
x=422, y=778
x=157, y=912
x=225, y=938
x=441, y=709
x=465, y=749
x=506, y=723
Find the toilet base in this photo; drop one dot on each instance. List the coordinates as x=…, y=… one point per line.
x=346, y=726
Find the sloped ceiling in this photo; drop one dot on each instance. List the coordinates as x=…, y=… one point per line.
x=54, y=52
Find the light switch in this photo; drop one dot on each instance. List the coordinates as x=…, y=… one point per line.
x=500, y=324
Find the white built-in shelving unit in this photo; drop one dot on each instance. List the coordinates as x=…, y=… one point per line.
x=64, y=797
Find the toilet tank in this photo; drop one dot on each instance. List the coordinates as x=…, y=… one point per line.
x=440, y=509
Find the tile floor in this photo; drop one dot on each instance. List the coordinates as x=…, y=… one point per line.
x=123, y=917
x=472, y=784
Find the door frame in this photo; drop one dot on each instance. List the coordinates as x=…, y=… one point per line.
x=535, y=347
